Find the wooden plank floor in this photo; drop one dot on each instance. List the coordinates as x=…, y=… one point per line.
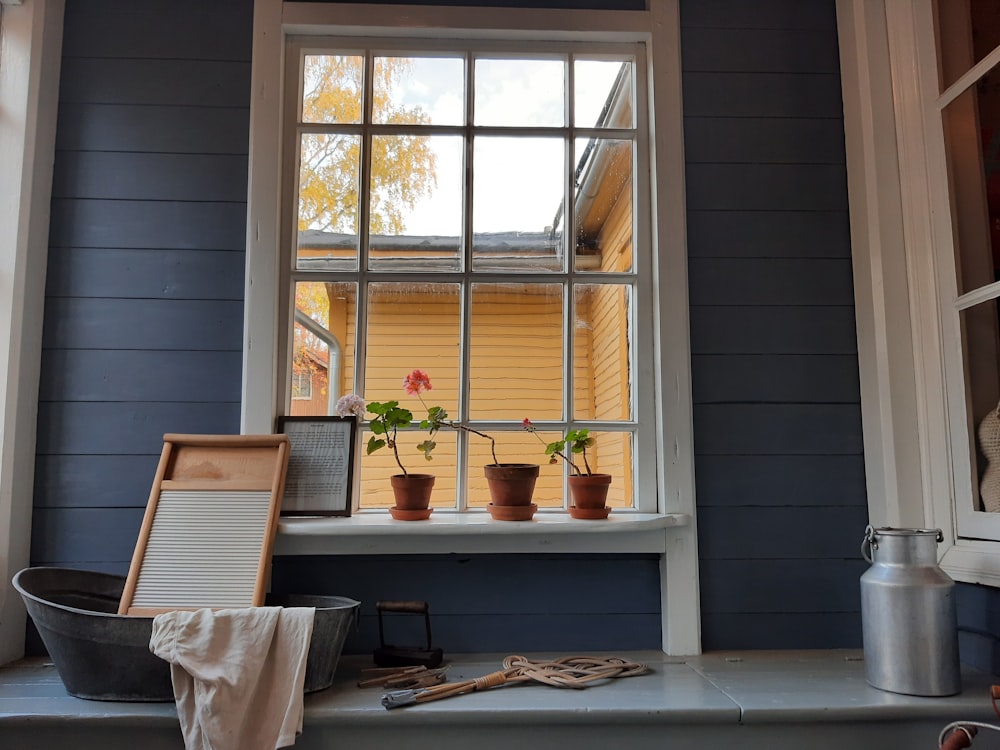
x=787, y=699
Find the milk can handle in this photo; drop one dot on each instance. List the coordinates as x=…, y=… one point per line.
x=869, y=543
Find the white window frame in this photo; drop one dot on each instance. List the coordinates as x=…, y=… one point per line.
x=671, y=530
x=913, y=413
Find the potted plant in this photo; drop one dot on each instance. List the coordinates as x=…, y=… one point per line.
x=588, y=489
x=511, y=484
x=412, y=492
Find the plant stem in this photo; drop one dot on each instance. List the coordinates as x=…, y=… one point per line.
x=585, y=462
x=395, y=451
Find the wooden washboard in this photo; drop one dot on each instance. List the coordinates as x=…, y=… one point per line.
x=209, y=527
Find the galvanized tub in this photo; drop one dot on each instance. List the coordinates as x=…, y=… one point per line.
x=101, y=655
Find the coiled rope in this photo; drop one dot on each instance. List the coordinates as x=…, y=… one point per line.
x=575, y=672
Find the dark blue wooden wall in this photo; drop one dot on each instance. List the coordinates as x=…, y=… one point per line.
x=144, y=318
x=779, y=458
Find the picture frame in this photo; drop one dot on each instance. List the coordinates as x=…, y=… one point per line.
x=320, y=465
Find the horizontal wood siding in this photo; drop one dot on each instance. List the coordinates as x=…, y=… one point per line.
x=144, y=290
x=777, y=417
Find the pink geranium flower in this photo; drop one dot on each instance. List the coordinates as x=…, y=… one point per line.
x=417, y=382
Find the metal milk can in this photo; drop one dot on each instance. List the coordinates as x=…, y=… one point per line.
x=908, y=614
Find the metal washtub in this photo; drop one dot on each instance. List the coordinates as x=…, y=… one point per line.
x=101, y=655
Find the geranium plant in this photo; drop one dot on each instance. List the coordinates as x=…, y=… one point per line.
x=389, y=417
x=576, y=441
x=416, y=383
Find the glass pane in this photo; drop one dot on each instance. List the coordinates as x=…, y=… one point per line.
x=323, y=338
x=602, y=367
x=328, y=202
x=332, y=87
x=967, y=32
x=520, y=92
x=603, y=204
x=516, y=447
x=413, y=326
x=982, y=365
x=612, y=454
x=415, y=216
x=602, y=94
x=517, y=194
x=425, y=90
x=516, y=352
x=972, y=143
x=376, y=468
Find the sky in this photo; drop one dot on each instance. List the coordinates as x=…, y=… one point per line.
x=517, y=185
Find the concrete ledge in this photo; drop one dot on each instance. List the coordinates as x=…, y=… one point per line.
x=734, y=700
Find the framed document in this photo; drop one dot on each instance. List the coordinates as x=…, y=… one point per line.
x=320, y=465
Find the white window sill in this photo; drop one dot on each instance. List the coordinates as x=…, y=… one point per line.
x=376, y=533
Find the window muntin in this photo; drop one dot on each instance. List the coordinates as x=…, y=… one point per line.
x=453, y=235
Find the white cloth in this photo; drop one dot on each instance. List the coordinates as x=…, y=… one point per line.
x=238, y=674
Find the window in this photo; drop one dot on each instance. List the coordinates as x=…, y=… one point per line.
x=472, y=211
x=302, y=385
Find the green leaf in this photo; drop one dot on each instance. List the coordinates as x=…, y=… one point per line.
x=426, y=448
x=374, y=444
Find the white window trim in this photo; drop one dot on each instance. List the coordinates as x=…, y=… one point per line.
x=658, y=27
x=893, y=147
x=30, y=60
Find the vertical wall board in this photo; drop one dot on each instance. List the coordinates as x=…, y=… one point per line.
x=792, y=187
x=768, y=234
x=103, y=323
x=730, y=587
x=796, y=481
x=807, y=532
x=739, y=94
x=759, y=50
x=771, y=281
x=83, y=536
x=101, y=428
x=773, y=330
x=182, y=225
x=775, y=378
x=762, y=14
x=157, y=129
x=146, y=274
x=777, y=428
x=106, y=175
x=139, y=375
x=768, y=630
x=764, y=140
x=77, y=481
x=192, y=83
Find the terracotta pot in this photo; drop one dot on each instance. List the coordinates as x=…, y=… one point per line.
x=412, y=491
x=590, y=491
x=511, y=484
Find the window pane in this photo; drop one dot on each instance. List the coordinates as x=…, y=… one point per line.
x=416, y=202
x=603, y=204
x=602, y=369
x=967, y=32
x=982, y=365
x=516, y=352
x=332, y=87
x=425, y=90
x=413, y=326
x=970, y=127
x=518, y=192
x=328, y=202
x=520, y=92
x=323, y=345
x=612, y=454
x=602, y=94
x=516, y=447
x=376, y=468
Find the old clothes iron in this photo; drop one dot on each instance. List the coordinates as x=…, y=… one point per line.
x=405, y=656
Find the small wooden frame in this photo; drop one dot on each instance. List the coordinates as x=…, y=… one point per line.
x=320, y=465
x=209, y=527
